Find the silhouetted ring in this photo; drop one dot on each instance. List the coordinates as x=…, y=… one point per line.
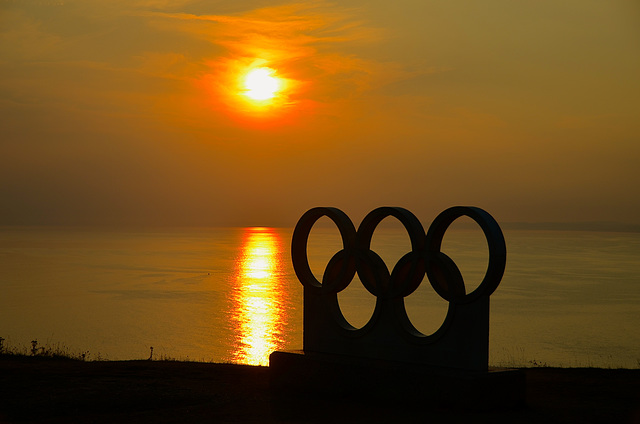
x=341, y=267
x=439, y=264
x=384, y=285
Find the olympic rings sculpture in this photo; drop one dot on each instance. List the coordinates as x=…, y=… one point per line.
x=391, y=287
x=407, y=274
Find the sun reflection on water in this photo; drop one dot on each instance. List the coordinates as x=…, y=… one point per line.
x=258, y=314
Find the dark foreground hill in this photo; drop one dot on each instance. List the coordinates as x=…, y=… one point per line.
x=41, y=390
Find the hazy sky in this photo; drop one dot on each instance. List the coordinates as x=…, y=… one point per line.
x=128, y=112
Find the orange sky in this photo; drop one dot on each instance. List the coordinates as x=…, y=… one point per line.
x=118, y=112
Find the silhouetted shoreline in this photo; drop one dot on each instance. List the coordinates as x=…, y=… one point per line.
x=44, y=390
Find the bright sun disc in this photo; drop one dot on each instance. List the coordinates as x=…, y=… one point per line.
x=261, y=84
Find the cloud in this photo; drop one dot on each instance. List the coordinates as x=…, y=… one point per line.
x=307, y=43
x=179, y=63
x=24, y=38
x=289, y=30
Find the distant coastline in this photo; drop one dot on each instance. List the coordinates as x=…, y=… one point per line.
x=604, y=226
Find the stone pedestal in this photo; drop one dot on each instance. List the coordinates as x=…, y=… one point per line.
x=326, y=377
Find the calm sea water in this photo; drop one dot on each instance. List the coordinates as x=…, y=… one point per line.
x=230, y=294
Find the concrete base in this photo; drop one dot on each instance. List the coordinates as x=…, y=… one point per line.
x=335, y=377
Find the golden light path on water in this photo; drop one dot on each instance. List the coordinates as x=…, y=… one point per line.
x=259, y=314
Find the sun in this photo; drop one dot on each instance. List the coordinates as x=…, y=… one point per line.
x=261, y=84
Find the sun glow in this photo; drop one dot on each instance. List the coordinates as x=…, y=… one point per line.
x=255, y=92
x=261, y=84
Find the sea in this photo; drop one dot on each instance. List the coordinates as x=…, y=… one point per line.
x=567, y=298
